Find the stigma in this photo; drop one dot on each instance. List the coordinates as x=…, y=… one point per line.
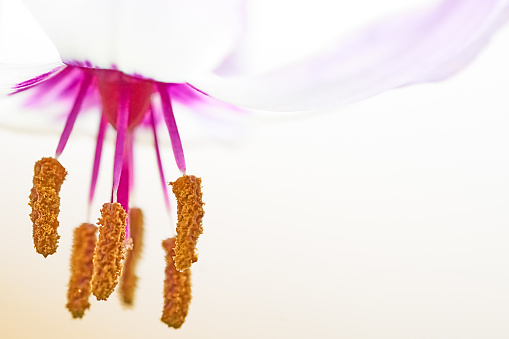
x=100, y=262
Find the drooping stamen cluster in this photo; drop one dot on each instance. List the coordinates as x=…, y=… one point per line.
x=82, y=269
x=177, y=289
x=96, y=265
x=129, y=279
x=109, y=251
x=187, y=190
x=45, y=202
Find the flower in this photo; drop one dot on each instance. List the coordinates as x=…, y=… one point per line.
x=275, y=96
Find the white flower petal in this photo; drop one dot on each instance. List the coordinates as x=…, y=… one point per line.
x=169, y=41
x=425, y=45
x=22, y=41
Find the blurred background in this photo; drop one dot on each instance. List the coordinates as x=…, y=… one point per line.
x=385, y=219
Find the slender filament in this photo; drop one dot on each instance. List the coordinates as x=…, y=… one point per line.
x=71, y=118
x=169, y=118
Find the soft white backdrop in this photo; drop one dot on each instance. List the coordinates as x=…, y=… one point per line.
x=385, y=219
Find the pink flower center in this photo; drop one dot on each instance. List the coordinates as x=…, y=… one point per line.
x=111, y=84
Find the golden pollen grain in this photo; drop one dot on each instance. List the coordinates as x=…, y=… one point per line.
x=187, y=190
x=109, y=251
x=128, y=280
x=49, y=175
x=81, y=269
x=177, y=289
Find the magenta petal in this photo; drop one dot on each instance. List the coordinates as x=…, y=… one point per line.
x=169, y=118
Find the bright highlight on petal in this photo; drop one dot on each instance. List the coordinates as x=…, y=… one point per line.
x=169, y=41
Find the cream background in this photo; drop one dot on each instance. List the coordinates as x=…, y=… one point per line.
x=385, y=219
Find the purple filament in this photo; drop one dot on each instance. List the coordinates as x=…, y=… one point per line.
x=123, y=188
x=97, y=157
x=122, y=123
x=159, y=162
x=71, y=119
x=169, y=118
x=130, y=150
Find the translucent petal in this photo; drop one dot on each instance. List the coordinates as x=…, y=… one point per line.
x=169, y=41
x=22, y=41
x=425, y=45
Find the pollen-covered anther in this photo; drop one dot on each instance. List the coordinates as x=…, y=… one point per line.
x=109, y=251
x=82, y=268
x=177, y=289
x=187, y=190
x=128, y=280
x=49, y=175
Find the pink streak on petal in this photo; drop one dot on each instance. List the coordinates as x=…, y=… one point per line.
x=23, y=86
x=71, y=119
x=159, y=162
x=420, y=46
x=122, y=123
x=97, y=158
x=56, y=84
x=169, y=118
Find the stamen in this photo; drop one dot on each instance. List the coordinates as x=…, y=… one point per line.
x=159, y=162
x=109, y=251
x=169, y=118
x=81, y=269
x=71, y=118
x=49, y=175
x=129, y=278
x=187, y=190
x=177, y=289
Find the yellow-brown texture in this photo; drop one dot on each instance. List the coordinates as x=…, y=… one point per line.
x=49, y=175
x=187, y=190
x=81, y=269
x=109, y=251
x=177, y=289
x=129, y=278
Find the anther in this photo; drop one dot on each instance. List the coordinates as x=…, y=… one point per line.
x=177, y=289
x=128, y=280
x=49, y=175
x=109, y=251
x=81, y=269
x=187, y=190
